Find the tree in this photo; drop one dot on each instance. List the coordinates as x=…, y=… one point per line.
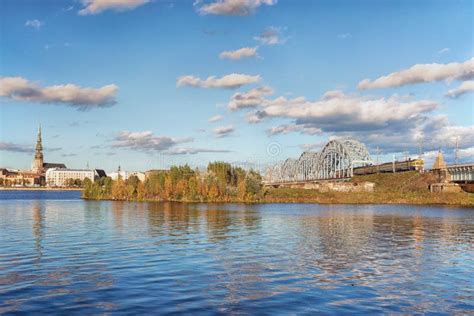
x=193, y=188
x=253, y=183
x=118, y=189
x=132, y=186
x=69, y=182
x=78, y=182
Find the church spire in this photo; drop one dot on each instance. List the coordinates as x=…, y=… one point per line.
x=39, y=145
x=37, y=165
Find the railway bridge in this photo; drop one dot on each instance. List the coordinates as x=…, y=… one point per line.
x=461, y=172
x=337, y=160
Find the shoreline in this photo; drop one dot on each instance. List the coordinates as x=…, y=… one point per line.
x=370, y=200
x=41, y=189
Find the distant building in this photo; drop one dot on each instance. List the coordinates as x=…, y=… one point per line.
x=127, y=174
x=57, y=177
x=100, y=173
x=19, y=178
x=38, y=165
x=53, y=174
x=440, y=169
x=439, y=162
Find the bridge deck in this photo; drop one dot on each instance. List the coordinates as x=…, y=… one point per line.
x=461, y=172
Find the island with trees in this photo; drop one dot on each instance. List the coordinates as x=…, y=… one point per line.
x=221, y=182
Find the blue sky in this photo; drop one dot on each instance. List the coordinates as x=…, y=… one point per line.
x=298, y=82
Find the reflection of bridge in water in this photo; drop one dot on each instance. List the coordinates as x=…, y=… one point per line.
x=337, y=160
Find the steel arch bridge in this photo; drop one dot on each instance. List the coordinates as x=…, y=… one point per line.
x=336, y=160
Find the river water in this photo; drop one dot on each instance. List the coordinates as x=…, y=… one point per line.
x=59, y=254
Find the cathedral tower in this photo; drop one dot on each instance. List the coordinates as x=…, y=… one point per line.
x=37, y=165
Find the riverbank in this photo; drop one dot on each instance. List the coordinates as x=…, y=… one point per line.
x=39, y=189
x=398, y=188
x=389, y=188
x=414, y=198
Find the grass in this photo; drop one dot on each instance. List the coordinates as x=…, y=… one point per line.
x=398, y=188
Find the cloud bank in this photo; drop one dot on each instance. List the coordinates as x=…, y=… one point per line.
x=335, y=111
x=230, y=81
x=20, y=89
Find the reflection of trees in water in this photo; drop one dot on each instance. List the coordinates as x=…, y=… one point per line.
x=241, y=273
x=180, y=219
x=223, y=223
x=171, y=219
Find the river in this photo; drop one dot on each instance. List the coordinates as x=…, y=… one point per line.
x=60, y=254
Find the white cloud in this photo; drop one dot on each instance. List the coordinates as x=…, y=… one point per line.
x=231, y=81
x=253, y=118
x=215, y=118
x=193, y=151
x=20, y=89
x=466, y=153
x=244, y=52
x=444, y=50
x=465, y=87
x=445, y=134
x=339, y=112
x=232, y=7
x=287, y=128
x=97, y=6
x=431, y=134
x=36, y=24
x=145, y=141
x=422, y=73
x=317, y=146
x=223, y=131
x=249, y=99
x=271, y=36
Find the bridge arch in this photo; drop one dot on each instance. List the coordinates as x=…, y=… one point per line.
x=336, y=161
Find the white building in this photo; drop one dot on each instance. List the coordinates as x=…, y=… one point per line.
x=56, y=177
x=127, y=174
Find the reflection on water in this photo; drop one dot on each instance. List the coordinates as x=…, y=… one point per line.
x=96, y=257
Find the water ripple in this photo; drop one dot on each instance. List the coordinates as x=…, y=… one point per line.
x=73, y=256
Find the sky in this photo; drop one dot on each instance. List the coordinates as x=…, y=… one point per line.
x=150, y=83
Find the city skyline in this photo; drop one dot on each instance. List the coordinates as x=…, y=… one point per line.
x=145, y=84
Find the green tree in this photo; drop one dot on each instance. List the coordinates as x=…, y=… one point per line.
x=69, y=182
x=78, y=182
